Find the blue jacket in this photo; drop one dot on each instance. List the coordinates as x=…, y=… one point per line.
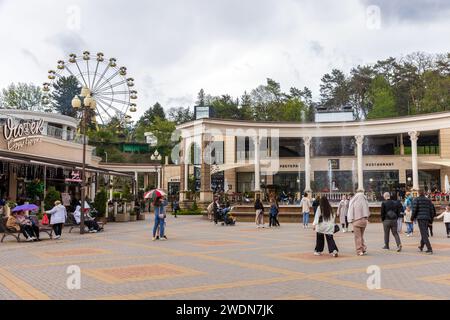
x=161, y=208
x=273, y=210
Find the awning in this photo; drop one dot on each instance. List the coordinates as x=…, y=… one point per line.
x=439, y=162
x=42, y=161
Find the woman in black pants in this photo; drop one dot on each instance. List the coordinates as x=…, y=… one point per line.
x=325, y=225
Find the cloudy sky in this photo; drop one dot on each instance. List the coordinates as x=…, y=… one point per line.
x=175, y=47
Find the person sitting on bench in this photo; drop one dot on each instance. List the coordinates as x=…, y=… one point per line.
x=19, y=222
x=88, y=220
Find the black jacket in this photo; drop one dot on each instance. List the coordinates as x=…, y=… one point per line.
x=259, y=206
x=423, y=209
x=315, y=205
x=389, y=205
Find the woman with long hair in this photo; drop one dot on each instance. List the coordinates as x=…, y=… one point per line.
x=259, y=210
x=160, y=217
x=325, y=227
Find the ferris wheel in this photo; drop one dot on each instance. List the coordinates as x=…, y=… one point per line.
x=106, y=82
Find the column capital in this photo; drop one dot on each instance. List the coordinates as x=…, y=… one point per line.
x=414, y=135
x=359, y=139
x=307, y=140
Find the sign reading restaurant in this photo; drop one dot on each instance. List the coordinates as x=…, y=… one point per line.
x=22, y=134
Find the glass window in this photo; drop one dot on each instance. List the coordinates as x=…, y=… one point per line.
x=380, y=145
x=337, y=181
x=289, y=182
x=217, y=182
x=380, y=182
x=245, y=181
x=333, y=146
x=291, y=147
x=429, y=180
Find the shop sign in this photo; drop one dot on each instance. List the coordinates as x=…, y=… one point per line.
x=174, y=179
x=22, y=134
x=379, y=164
x=333, y=164
x=75, y=177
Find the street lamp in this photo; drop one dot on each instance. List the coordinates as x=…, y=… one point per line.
x=84, y=104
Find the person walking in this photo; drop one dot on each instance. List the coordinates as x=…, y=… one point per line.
x=175, y=207
x=259, y=210
x=315, y=204
x=446, y=216
x=401, y=213
x=324, y=223
x=306, y=207
x=358, y=215
x=409, y=224
x=274, y=210
x=58, y=218
x=160, y=217
x=390, y=212
x=342, y=213
x=423, y=211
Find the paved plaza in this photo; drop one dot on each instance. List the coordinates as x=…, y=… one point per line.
x=204, y=261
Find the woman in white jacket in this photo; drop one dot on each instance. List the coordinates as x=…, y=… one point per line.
x=325, y=225
x=58, y=218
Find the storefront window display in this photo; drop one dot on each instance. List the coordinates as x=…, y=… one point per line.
x=334, y=181
x=379, y=182
x=245, y=181
x=429, y=180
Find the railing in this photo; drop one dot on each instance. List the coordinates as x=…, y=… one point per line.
x=55, y=132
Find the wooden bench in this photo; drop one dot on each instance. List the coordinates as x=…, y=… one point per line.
x=72, y=223
x=16, y=234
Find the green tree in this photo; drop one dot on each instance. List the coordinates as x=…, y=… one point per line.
x=101, y=198
x=334, y=90
x=180, y=115
x=21, y=96
x=65, y=89
x=224, y=107
x=50, y=198
x=156, y=111
x=246, y=107
x=436, y=93
x=383, y=99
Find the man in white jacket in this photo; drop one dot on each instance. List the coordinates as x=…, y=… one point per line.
x=358, y=215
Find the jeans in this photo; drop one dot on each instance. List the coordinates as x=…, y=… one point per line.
x=273, y=221
x=305, y=218
x=57, y=228
x=409, y=227
x=158, y=223
x=320, y=242
x=390, y=226
x=424, y=241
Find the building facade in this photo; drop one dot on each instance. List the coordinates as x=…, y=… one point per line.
x=405, y=153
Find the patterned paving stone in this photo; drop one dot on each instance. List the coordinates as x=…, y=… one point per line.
x=204, y=261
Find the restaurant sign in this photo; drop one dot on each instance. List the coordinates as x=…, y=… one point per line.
x=22, y=134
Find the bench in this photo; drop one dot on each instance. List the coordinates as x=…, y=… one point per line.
x=16, y=234
x=72, y=223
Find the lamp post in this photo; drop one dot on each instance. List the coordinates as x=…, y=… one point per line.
x=84, y=104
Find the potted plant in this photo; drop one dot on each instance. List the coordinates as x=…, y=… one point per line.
x=100, y=203
x=133, y=216
x=122, y=214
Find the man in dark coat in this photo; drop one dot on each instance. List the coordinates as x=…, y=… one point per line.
x=424, y=212
x=390, y=212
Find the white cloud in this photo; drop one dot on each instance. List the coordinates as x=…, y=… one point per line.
x=173, y=48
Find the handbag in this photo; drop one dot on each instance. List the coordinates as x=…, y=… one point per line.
x=45, y=220
x=336, y=228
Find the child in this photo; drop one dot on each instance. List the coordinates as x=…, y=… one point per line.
x=446, y=215
x=409, y=223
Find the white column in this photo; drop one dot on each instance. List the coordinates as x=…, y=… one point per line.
x=93, y=191
x=186, y=177
x=414, y=136
x=307, y=142
x=136, y=186
x=64, y=132
x=111, y=190
x=159, y=178
x=257, y=165
x=359, y=153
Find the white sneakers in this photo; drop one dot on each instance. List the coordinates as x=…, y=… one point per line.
x=334, y=253
x=57, y=237
x=317, y=253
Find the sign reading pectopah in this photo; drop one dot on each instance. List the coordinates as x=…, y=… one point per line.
x=22, y=134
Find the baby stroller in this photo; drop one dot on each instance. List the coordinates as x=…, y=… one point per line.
x=226, y=218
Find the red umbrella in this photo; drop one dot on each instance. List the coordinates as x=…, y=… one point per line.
x=153, y=194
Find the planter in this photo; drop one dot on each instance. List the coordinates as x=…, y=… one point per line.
x=141, y=216
x=133, y=217
x=122, y=217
